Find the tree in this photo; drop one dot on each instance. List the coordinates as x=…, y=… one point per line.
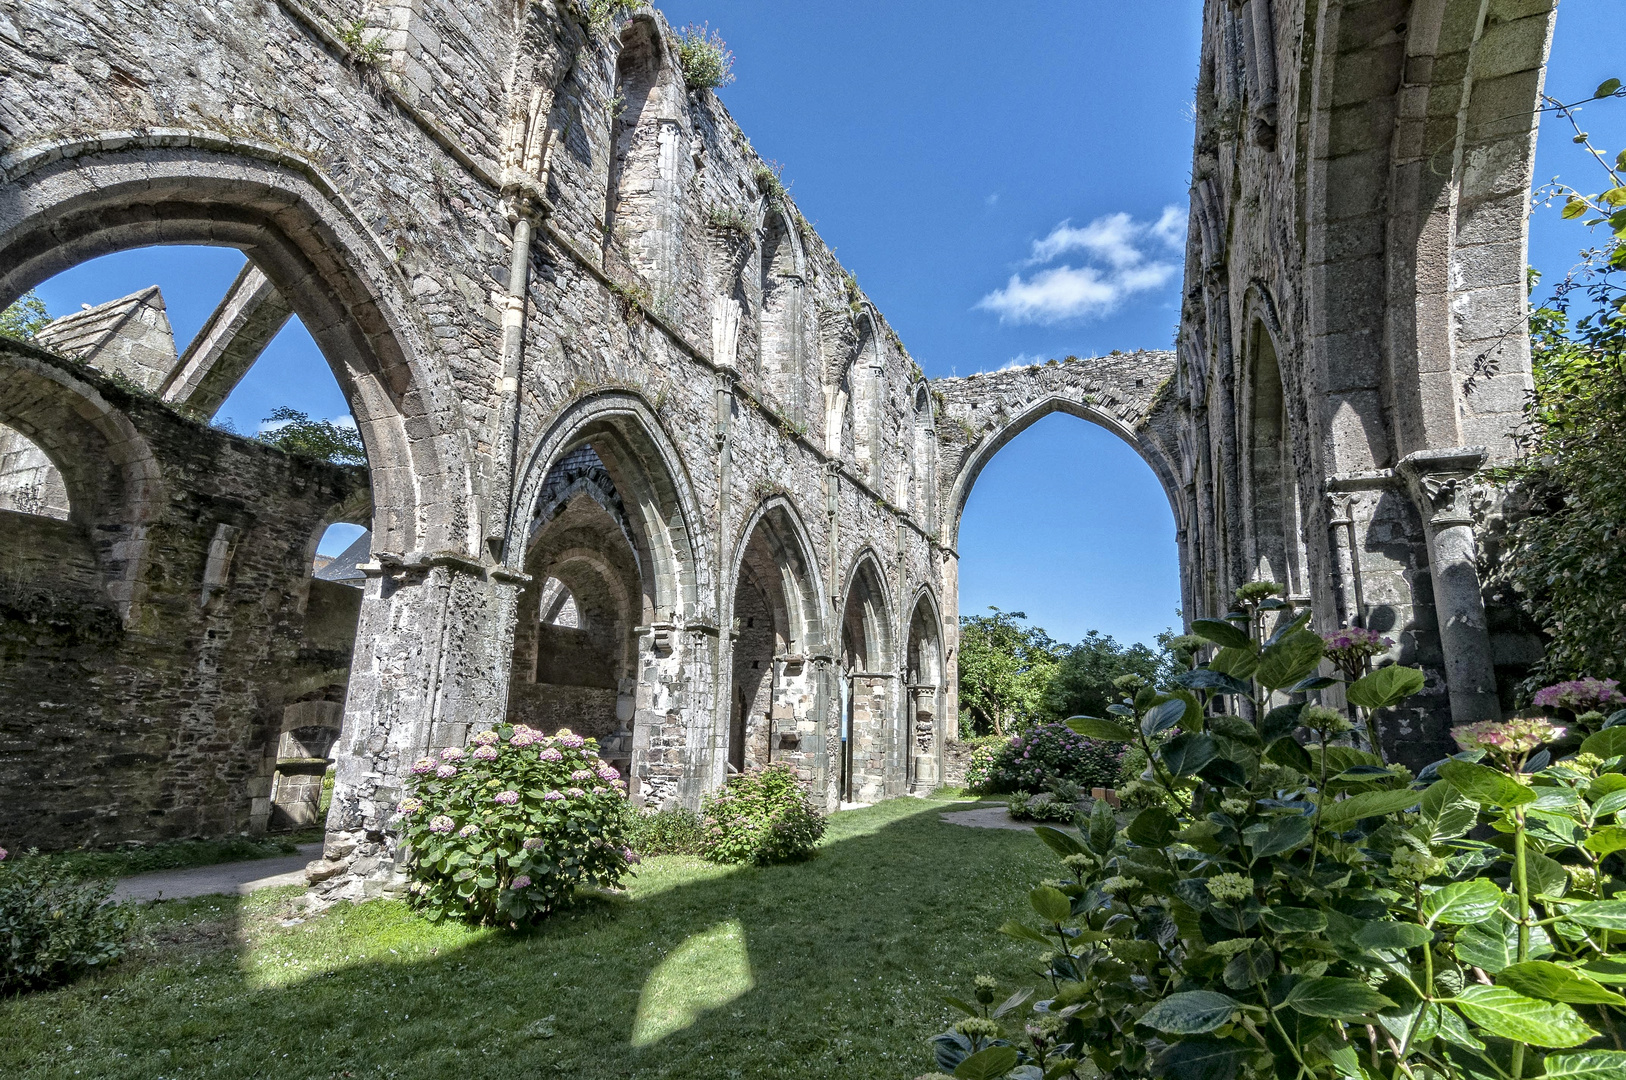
x=1082, y=682
x=297, y=433
x=1005, y=668
x=25, y=318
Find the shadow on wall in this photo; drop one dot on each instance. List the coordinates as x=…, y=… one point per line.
x=808, y=970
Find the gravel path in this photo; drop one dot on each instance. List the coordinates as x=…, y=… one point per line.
x=230, y=879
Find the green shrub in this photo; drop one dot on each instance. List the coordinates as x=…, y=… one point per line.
x=1042, y=756
x=53, y=926
x=166, y=855
x=761, y=817
x=704, y=57
x=667, y=832
x=1276, y=908
x=506, y=830
x=1058, y=804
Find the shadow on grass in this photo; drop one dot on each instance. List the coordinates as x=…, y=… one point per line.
x=830, y=968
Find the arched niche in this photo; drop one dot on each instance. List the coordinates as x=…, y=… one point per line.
x=641, y=201
x=924, y=693
x=1271, y=499
x=869, y=736
x=782, y=336
x=775, y=629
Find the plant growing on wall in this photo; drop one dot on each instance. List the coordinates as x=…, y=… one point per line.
x=704, y=58
x=1275, y=908
x=295, y=432
x=25, y=318
x=505, y=831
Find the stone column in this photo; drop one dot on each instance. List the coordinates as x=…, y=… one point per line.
x=1441, y=480
x=924, y=737
x=431, y=666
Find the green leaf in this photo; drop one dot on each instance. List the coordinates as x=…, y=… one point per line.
x=1485, y=785
x=1554, y=982
x=1336, y=999
x=1289, y=626
x=1294, y=920
x=1282, y=835
x=1493, y=944
x=1615, y=196
x=1058, y=841
x=1607, y=743
x=1607, y=840
x=1545, y=876
x=1603, y=914
x=1341, y=815
x=1250, y=967
x=1290, y=659
x=1160, y=718
x=1051, y=903
x=1606, y=971
x=1013, y=1002
x=964, y=1006
x=1385, y=687
x=1191, y=1013
x=989, y=1064
x=1511, y=1015
x=1152, y=827
x=1238, y=662
x=1103, y=827
x=1234, y=727
x=1289, y=753
x=1186, y=753
x=1221, y=633
x=1607, y=87
x=1092, y=727
x=1202, y=1058
x=1021, y=931
x=1280, y=723
x=1586, y=1065
x=1574, y=208
x=1446, y=812
x=1462, y=903
x=1214, y=681
x=1392, y=935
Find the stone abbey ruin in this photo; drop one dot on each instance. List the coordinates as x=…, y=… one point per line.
x=642, y=457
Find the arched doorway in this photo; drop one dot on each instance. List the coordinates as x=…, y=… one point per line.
x=870, y=742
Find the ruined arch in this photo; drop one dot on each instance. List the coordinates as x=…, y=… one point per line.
x=1273, y=518
x=640, y=216
x=113, y=481
x=924, y=692
x=921, y=489
x=776, y=627
x=74, y=201
x=781, y=336
x=869, y=747
x=868, y=387
x=1156, y=455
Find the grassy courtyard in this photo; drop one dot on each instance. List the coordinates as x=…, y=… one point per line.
x=831, y=968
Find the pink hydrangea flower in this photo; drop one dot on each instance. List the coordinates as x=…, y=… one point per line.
x=552, y=796
x=484, y=753
x=532, y=843
x=607, y=773
x=506, y=798
x=521, y=882
x=523, y=737
x=451, y=753
x=469, y=830
x=575, y=792
x=440, y=823
x=485, y=738
x=423, y=765
x=582, y=774
x=550, y=754
x=1351, y=647
x=446, y=772
x=409, y=806
x=3, y=854
x=569, y=739
x=630, y=856
x=1513, y=739
x=1580, y=695
x=618, y=783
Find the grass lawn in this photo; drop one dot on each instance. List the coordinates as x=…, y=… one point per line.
x=829, y=969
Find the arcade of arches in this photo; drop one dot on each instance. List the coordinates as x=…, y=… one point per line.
x=640, y=459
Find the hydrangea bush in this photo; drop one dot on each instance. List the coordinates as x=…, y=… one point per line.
x=763, y=816
x=53, y=927
x=506, y=830
x=1041, y=757
x=1277, y=903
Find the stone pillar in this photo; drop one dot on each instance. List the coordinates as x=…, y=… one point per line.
x=431, y=666
x=1441, y=480
x=924, y=737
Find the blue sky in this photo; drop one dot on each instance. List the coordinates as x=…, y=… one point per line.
x=999, y=178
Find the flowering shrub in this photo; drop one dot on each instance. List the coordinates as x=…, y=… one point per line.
x=667, y=832
x=1058, y=804
x=53, y=927
x=985, y=749
x=1302, y=910
x=1580, y=695
x=507, y=831
x=761, y=817
x=1351, y=648
x=1043, y=755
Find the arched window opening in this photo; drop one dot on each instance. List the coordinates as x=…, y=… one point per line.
x=559, y=606
x=923, y=461
x=923, y=685
x=759, y=613
x=642, y=194
x=868, y=386
x=1273, y=483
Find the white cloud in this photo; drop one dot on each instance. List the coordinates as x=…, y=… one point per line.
x=1128, y=257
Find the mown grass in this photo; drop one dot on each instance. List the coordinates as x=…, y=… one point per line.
x=89, y=863
x=829, y=969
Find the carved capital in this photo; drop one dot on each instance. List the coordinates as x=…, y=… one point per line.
x=1442, y=480
x=1341, y=507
